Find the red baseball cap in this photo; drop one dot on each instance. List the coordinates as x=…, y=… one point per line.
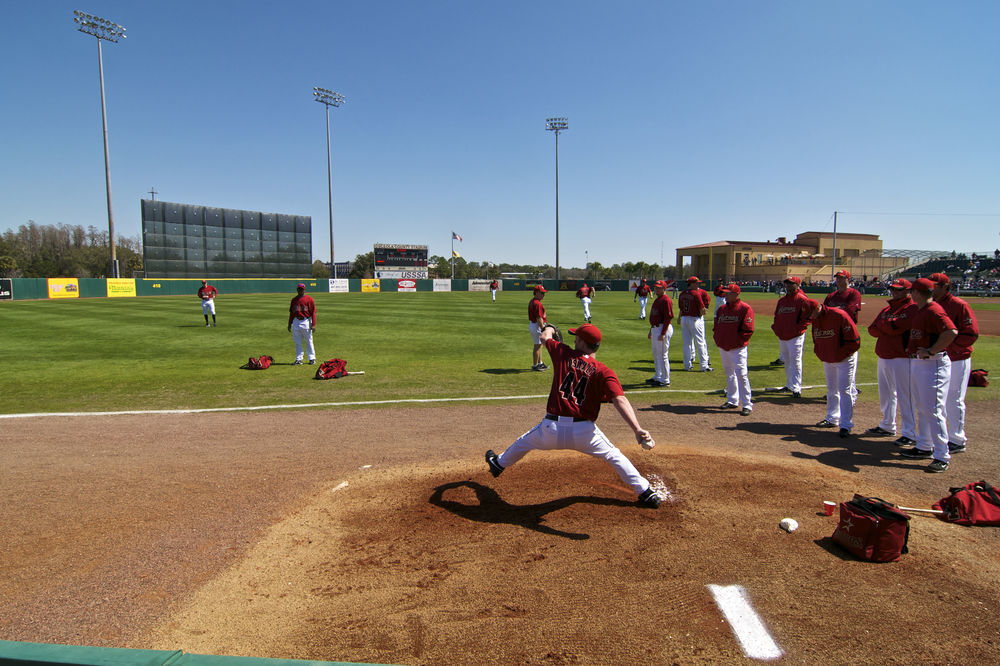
x=694, y=278
x=923, y=284
x=844, y=274
x=940, y=278
x=660, y=283
x=901, y=283
x=300, y=286
x=540, y=288
x=588, y=333
x=793, y=278
x=731, y=288
x=204, y=281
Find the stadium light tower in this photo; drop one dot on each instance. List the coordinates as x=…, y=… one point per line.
x=329, y=98
x=103, y=29
x=557, y=125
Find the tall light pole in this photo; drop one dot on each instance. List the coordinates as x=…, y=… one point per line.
x=103, y=29
x=557, y=125
x=329, y=98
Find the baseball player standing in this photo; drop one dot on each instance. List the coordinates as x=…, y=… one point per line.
x=891, y=329
x=693, y=303
x=585, y=294
x=960, y=353
x=848, y=299
x=302, y=323
x=660, y=331
x=642, y=293
x=791, y=319
x=580, y=384
x=207, y=294
x=493, y=290
x=732, y=332
x=536, y=322
x=720, y=298
x=835, y=341
x=931, y=331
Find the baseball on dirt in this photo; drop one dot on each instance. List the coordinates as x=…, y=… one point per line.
x=788, y=524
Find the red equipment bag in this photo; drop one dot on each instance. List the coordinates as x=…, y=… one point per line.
x=978, y=378
x=871, y=529
x=261, y=363
x=332, y=369
x=974, y=504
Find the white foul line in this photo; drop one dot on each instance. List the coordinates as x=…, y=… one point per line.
x=749, y=629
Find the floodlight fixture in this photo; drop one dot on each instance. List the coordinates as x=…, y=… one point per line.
x=556, y=125
x=98, y=27
x=329, y=98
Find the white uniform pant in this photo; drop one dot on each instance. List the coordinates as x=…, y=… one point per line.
x=954, y=405
x=791, y=356
x=853, y=369
x=734, y=363
x=928, y=390
x=208, y=306
x=893, y=392
x=586, y=307
x=303, y=336
x=642, y=307
x=493, y=292
x=582, y=436
x=661, y=352
x=693, y=335
x=839, y=402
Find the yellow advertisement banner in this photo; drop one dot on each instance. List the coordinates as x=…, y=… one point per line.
x=64, y=288
x=121, y=287
x=370, y=285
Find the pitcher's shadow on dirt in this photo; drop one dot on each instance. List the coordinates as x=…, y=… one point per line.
x=492, y=509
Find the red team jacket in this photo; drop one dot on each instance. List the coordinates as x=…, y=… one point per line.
x=580, y=383
x=661, y=314
x=207, y=291
x=733, y=325
x=643, y=290
x=848, y=300
x=584, y=292
x=926, y=325
x=691, y=301
x=302, y=307
x=891, y=328
x=835, y=337
x=791, y=316
x=536, y=311
x=965, y=321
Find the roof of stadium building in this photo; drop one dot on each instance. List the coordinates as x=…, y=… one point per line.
x=743, y=243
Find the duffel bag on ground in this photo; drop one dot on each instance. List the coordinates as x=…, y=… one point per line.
x=872, y=529
x=974, y=504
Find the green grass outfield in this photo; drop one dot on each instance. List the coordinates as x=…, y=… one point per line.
x=155, y=353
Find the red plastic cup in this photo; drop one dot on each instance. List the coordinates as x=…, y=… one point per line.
x=828, y=507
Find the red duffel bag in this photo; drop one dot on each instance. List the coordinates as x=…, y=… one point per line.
x=977, y=503
x=872, y=529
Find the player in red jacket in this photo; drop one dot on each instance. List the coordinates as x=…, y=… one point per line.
x=848, y=299
x=732, y=332
x=642, y=293
x=585, y=294
x=207, y=294
x=660, y=332
x=835, y=341
x=791, y=319
x=493, y=290
x=536, y=321
x=960, y=353
x=931, y=331
x=580, y=384
x=891, y=329
x=302, y=315
x=693, y=303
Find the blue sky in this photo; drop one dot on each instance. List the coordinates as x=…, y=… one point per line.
x=689, y=121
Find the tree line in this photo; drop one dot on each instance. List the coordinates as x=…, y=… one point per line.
x=62, y=250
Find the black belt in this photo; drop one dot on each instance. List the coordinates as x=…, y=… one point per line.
x=553, y=417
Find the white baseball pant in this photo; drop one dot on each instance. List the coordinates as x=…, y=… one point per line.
x=586, y=307
x=928, y=390
x=208, y=306
x=582, y=436
x=853, y=369
x=661, y=352
x=954, y=405
x=303, y=336
x=734, y=363
x=642, y=307
x=839, y=403
x=791, y=356
x=693, y=335
x=893, y=392
x=493, y=292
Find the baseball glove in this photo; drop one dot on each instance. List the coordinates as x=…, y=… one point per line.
x=556, y=333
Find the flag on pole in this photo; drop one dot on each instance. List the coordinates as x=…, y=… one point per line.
x=456, y=236
x=456, y=254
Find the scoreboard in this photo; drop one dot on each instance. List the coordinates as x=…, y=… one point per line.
x=400, y=261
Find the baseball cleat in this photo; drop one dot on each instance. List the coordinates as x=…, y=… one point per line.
x=494, y=463
x=745, y=411
x=796, y=394
x=298, y=361
x=312, y=361
x=956, y=448
x=879, y=431
x=916, y=453
x=207, y=324
x=728, y=405
x=844, y=433
x=825, y=423
x=937, y=466
x=904, y=441
x=650, y=498
x=708, y=369
x=777, y=361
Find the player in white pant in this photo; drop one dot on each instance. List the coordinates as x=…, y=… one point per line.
x=642, y=294
x=732, y=332
x=835, y=341
x=893, y=393
x=960, y=353
x=693, y=303
x=734, y=365
x=791, y=355
x=791, y=319
x=302, y=323
x=660, y=332
x=954, y=403
x=891, y=330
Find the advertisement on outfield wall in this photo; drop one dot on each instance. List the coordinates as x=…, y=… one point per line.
x=483, y=285
x=406, y=285
x=370, y=286
x=6, y=289
x=401, y=275
x=442, y=285
x=121, y=287
x=64, y=288
x=339, y=285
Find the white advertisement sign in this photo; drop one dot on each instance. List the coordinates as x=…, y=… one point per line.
x=483, y=285
x=442, y=285
x=406, y=285
x=402, y=275
x=339, y=286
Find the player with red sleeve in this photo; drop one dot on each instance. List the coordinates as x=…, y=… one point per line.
x=580, y=384
x=931, y=331
x=586, y=295
x=891, y=330
x=493, y=290
x=732, y=332
x=693, y=304
x=960, y=353
x=642, y=293
x=791, y=319
x=835, y=341
x=207, y=294
x=848, y=299
x=302, y=314
x=536, y=321
x=660, y=332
